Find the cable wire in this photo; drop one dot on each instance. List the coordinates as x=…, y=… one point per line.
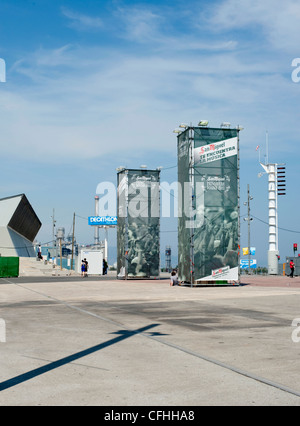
x=282, y=229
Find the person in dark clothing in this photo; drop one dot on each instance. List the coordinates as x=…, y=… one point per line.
x=105, y=266
x=83, y=268
x=174, y=279
x=86, y=267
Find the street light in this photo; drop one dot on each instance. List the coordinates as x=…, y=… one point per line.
x=225, y=124
x=249, y=219
x=203, y=123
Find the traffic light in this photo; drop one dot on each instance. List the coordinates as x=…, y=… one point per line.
x=281, y=181
x=295, y=248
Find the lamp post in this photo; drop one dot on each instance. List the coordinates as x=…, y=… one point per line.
x=249, y=219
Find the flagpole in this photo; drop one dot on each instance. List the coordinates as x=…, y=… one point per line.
x=258, y=148
x=267, y=146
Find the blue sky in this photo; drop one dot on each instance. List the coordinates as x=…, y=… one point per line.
x=92, y=85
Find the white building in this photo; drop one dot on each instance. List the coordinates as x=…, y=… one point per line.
x=19, y=226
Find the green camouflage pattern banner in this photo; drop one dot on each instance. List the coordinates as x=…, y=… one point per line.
x=138, y=223
x=213, y=226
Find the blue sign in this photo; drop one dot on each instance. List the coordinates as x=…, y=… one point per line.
x=103, y=220
x=244, y=263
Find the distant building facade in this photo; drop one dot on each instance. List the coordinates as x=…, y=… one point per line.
x=19, y=226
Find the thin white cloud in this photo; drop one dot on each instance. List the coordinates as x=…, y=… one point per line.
x=80, y=21
x=157, y=30
x=277, y=21
x=101, y=105
x=138, y=23
x=83, y=101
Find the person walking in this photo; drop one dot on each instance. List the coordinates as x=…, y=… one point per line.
x=105, y=266
x=86, y=267
x=39, y=255
x=82, y=268
x=292, y=268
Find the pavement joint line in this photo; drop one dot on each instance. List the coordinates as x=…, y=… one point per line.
x=68, y=305
x=72, y=362
x=229, y=367
x=172, y=345
x=29, y=375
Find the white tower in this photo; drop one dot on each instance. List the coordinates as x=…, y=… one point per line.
x=273, y=253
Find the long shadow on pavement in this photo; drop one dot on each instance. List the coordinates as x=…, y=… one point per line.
x=123, y=334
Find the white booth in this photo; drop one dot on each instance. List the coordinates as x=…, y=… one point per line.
x=95, y=261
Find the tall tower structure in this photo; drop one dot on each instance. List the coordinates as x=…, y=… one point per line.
x=276, y=184
x=208, y=216
x=138, y=232
x=168, y=259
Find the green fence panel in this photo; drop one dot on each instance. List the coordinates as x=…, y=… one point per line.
x=9, y=267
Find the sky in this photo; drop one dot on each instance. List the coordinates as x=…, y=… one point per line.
x=91, y=85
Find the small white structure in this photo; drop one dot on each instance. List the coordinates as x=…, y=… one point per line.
x=95, y=261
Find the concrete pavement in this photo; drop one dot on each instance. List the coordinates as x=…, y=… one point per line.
x=101, y=341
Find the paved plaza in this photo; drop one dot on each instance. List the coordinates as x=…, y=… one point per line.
x=107, y=342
